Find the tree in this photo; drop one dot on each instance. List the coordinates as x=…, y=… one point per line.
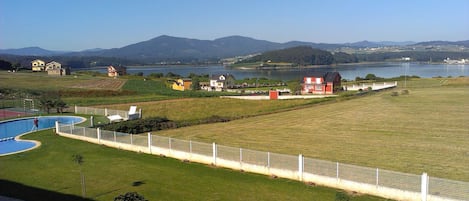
x=50, y=100
x=5, y=65
x=46, y=103
x=130, y=196
x=78, y=159
x=195, y=84
x=60, y=105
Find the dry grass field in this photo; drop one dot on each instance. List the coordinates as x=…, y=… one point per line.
x=424, y=131
x=42, y=81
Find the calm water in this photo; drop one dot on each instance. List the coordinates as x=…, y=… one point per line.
x=350, y=72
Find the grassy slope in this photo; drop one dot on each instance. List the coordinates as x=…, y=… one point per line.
x=110, y=172
x=426, y=131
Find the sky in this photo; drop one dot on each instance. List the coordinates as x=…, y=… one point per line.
x=86, y=24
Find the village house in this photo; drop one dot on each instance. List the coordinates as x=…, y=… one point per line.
x=116, y=71
x=182, y=84
x=53, y=65
x=327, y=83
x=221, y=82
x=37, y=65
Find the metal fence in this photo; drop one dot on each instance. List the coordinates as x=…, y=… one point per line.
x=100, y=111
x=374, y=180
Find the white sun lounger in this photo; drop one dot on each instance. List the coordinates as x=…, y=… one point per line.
x=115, y=118
x=132, y=114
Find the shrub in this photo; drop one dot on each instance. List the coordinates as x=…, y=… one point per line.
x=405, y=92
x=141, y=125
x=394, y=93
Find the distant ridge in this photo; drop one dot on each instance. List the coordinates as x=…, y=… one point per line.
x=166, y=48
x=31, y=51
x=464, y=43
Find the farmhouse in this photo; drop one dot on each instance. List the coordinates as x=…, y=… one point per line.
x=182, y=84
x=221, y=82
x=53, y=65
x=37, y=65
x=115, y=71
x=326, y=83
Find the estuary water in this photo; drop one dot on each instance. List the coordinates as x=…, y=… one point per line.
x=347, y=71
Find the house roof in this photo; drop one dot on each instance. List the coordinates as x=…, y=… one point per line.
x=217, y=77
x=330, y=76
x=37, y=60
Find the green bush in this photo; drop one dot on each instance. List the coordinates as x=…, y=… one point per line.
x=141, y=125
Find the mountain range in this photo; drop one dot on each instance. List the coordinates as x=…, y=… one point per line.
x=169, y=48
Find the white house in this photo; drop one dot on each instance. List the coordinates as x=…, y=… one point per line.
x=53, y=65
x=37, y=65
x=221, y=82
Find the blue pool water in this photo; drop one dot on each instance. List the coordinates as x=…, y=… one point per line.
x=12, y=128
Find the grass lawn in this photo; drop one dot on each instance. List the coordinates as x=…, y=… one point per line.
x=425, y=131
x=49, y=173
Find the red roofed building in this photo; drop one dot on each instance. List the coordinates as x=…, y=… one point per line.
x=327, y=83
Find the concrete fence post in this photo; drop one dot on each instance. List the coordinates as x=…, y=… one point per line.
x=92, y=121
x=115, y=136
x=424, y=187
x=149, y=142
x=300, y=167
x=268, y=159
x=98, y=133
x=169, y=143
x=57, y=127
x=337, y=171
x=190, y=147
x=377, y=177
x=131, y=139
x=76, y=109
x=240, y=158
x=214, y=153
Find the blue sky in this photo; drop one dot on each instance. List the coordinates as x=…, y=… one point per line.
x=86, y=24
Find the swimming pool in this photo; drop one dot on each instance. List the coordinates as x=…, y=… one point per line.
x=10, y=129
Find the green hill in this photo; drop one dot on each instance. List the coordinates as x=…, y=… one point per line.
x=302, y=55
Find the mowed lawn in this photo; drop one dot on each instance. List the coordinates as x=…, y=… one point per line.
x=425, y=131
x=49, y=173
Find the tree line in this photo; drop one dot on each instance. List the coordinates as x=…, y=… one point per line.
x=303, y=56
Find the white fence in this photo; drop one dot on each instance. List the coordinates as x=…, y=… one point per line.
x=384, y=183
x=372, y=86
x=101, y=111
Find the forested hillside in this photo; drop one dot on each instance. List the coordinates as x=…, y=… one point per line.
x=302, y=55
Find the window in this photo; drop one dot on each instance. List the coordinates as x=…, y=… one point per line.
x=318, y=87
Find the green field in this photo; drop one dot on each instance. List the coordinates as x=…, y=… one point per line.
x=49, y=173
x=425, y=131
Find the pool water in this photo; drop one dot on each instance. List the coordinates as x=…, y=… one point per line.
x=12, y=128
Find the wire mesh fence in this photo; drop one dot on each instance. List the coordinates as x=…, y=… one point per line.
x=100, y=111
x=202, y=148
x=399, y=180
x=448, y=188
x=254, y=157
x=284, y=162
x=320, y=167
x=228, y=153
x=180, y=145
x=238, y=157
